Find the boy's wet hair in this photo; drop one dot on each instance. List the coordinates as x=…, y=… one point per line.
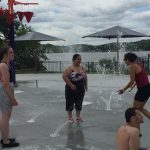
x=129, y=113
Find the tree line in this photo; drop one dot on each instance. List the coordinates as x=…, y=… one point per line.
x=143, y=45
x=29, y=54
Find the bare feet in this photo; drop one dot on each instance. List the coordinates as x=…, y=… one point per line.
x=79, y=119
x=71, y=120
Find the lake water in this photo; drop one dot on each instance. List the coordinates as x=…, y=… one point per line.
x=91, y=57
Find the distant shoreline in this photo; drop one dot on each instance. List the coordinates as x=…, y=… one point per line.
x=91, y=56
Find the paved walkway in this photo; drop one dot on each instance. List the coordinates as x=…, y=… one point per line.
x=39, y=122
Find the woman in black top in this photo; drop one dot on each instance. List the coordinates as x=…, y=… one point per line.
x=76, y=83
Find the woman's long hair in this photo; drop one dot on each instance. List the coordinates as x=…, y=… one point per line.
x=3, y=52
x=130, y=56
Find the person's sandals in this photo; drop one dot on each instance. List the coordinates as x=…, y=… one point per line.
x=11, y=144
x=140, y=135
x=71, y=120
x=79, y=120
x=10, y=139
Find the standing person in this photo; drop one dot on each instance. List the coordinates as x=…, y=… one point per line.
x=139, y=78
x=76, y=83
x=7, y=99
x=127, y=135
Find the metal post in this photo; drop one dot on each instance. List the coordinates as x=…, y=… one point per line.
x=11, y=33
x=36, y=81
x=12, y=45
x=11, y=39
x=88, y=67
x=118, y=47
x=148, y=63
x=60, y=66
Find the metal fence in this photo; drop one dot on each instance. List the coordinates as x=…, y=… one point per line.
x=103, y=66
x=145, y=61
x=59, y=66
x=56, y=66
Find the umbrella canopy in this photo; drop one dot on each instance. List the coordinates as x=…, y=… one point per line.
x=37, y=36
x=115, y=32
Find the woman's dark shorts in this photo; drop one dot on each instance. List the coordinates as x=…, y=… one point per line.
x=142, y=148
x=74, y=98
x=143, y=93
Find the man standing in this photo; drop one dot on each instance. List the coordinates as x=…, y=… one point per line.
x=128, y=134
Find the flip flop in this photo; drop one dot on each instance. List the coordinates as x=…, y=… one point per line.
x=11, y=140
x=140, y=135
x=10, y=145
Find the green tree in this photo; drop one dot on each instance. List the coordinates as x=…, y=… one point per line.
x=28, y=54
x=4, y=29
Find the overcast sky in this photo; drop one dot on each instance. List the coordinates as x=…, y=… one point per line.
x=72, y=19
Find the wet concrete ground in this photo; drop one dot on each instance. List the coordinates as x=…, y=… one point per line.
x=39, y=122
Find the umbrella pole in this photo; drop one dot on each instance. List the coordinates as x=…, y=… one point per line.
x=12, y=45
x=35, y=57
x=118, y=47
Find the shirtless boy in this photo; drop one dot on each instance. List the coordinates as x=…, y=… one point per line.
x=128, y=135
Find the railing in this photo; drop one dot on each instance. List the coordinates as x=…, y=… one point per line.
x=56, y=66
x=146, y=62
x=91, y=67
x=103, y=66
